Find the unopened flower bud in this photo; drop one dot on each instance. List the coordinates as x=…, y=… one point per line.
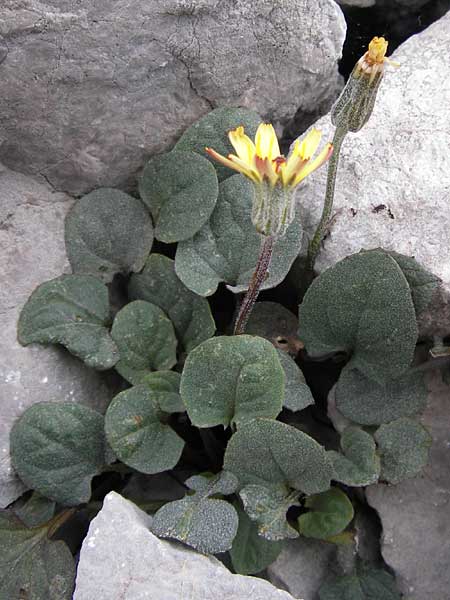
x=355, y=104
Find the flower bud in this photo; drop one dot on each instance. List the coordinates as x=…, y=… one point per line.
x=355, y=104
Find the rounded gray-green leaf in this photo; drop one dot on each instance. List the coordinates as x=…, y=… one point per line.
x=297, y=394
x=137, y=434
x=359, y=465
x=277, y=324
x=190, y=314
x=108, y=232
x=366, y=584
x=264, y=451
x=371, y=403
x=167, y=386
x=32, y=566
x=251, y=553
x=211, y=131
x=231, y=380
x=363, y=306
x=57, y=448
x=180, y=190
x=421, y=282
x=146, y=340
x=330, y=513
x=227, y=247
x=72, y=310
x=403, y=446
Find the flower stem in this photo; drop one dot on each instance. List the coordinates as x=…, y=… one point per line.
x=314, y=245
x=264, y=258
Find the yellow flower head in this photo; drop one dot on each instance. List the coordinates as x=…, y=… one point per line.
x=262, y=161
x=372, y=62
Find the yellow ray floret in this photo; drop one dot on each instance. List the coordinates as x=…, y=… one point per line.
x=262, y=161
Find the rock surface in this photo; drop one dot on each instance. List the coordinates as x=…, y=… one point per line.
x=415, y=513
x=121, y=559
x=32, y=251
x=90, y=89
x=393, y=183
x=302, y=567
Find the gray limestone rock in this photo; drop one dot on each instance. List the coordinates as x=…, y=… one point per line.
x=302, y=567
x=393, y=182
x=415, y=514
x=91, y=89
x=357, y=3
x=121, y=559
x=32, y=251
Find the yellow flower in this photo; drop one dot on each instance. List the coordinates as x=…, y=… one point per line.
x=262, y=161
x=372, y=62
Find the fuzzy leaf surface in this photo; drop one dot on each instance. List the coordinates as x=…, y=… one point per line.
x=57, y=448
x=267, y=506
x=71, y=310
x=211, y=131
x=403, y=446
x=137, y=434
x=369, y=402
x=207, y=524
x=33, y=567
x=264, y=451
x=330, y=513
x=297, y=394
x=190, y=314
x=359, y=465
x=146, y=340
x=166, y=384
x=251, y=553
x=180, y=189
x=421, y=282
x=362, y=306
x=227, y=247
x=36, y=511
x=232, y=379
x=108, y=232
x=277, y=324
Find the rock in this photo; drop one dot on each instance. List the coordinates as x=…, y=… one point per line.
x=121, y=559
x=357, y=3
x=32, y=251
x=302, y=567
x=393, y=182
x=415, y=513
x=91, y=89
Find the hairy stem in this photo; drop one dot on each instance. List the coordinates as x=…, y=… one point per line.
x=264, y=258
x=314, y=245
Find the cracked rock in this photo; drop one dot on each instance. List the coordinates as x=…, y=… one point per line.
x=32, y=251
x=91, y=89
x=122, y=560
x=393, y=181
x=415, y=513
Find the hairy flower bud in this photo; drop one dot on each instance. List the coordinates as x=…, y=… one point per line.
x=355, y=104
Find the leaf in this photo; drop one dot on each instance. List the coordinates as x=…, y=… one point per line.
x=268, y=505
x=264, y=452
x=137, y=434
x=108, y=232
x=363, y=306
x=211, y=131
x=371, y=403
x=277, y=324
x=232, y=379
x=207, y=524
x=403, y=446
x=421, y=282
x=360, y=465
x=180, y=190
x=71, y=310
x=57, y=448
x=190, y=315
x=330, y=513
x=33, y=567
x=36, y=511
x=146, y=340
x=297, y=394
x=367, y=584
x=251, y=553
x=227, y=247
x=167, y=386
